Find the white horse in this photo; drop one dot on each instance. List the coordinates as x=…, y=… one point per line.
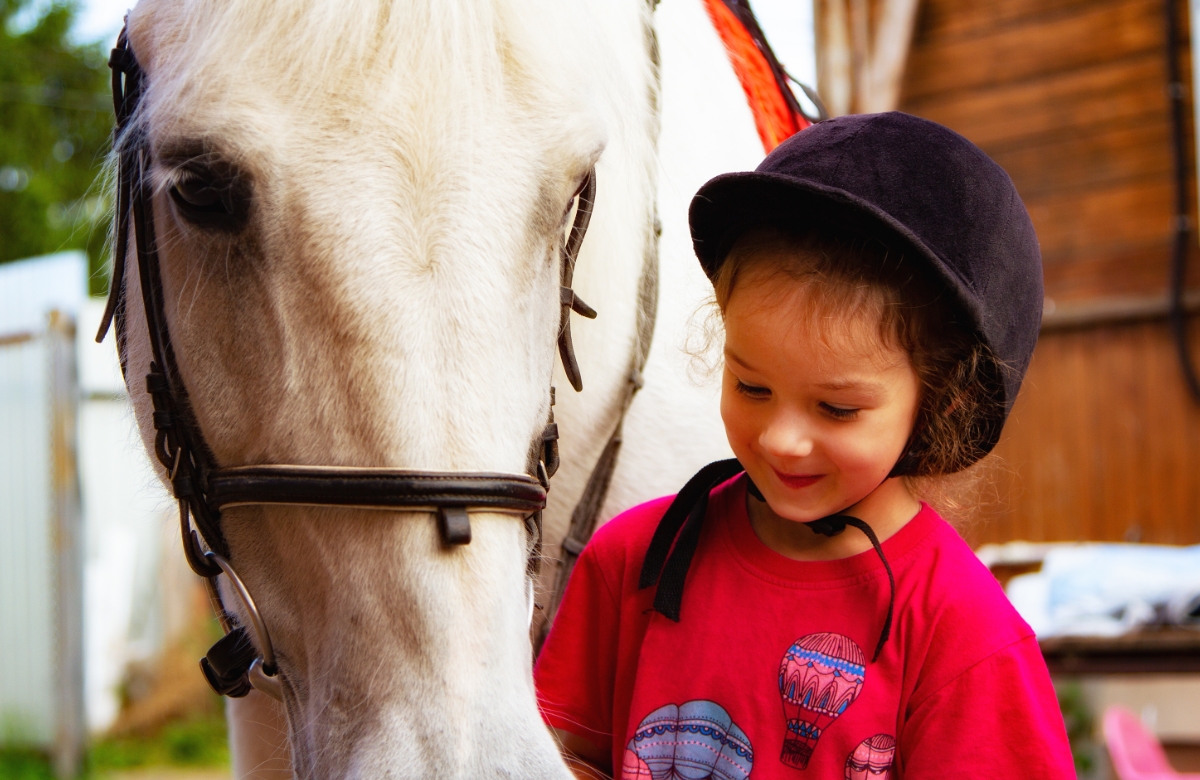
x=392, y=300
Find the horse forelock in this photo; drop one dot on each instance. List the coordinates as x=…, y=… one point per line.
x=360, y=56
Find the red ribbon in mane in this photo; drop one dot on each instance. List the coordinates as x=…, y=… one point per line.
x=777, y=116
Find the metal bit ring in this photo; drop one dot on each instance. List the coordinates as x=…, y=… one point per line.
x=260, y=627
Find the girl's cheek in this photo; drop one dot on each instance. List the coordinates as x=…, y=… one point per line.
x=740, y=421
x=733, y=417
x=859, y=453
x=874, y=453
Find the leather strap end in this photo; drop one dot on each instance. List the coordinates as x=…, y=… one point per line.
x=227, y=662
x=569, y=299
x=454, y=525
x=566, y=351
x=235, y=688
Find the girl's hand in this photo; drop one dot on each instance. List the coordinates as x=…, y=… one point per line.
x=584, y=759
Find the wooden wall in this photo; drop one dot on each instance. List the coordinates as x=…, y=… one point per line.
x=1104, y=443
x=1070, y=96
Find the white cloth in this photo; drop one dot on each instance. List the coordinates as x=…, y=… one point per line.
x=1109, y=589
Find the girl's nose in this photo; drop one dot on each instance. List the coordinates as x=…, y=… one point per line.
x=786, y=438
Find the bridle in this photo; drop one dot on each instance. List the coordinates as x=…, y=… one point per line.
x=203, y=488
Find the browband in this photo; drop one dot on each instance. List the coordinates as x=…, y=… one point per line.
x=374, y=488
x=450, y=494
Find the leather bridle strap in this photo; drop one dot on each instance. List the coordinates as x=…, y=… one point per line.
x=569, y=300
x=450, y=494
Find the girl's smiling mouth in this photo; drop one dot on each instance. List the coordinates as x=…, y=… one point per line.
x=797, y=481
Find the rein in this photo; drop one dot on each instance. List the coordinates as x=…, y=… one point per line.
x=203, y=488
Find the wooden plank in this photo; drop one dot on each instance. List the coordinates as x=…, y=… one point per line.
x=1105, y=272
x=1097, y=34
x=1098, y=156
x=944, y=19
x=1102, y=443
x=70, y=719
x=1123, y=515
x=1060, y=106
x=1172, y=477
x=1076, y=419
x=1153, y=651
x=889, y=54
x=835, y=73
x=1078, y=223
x=1109, y=310
x=12, y=339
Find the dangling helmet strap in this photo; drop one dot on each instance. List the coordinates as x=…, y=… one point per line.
x=678, y=535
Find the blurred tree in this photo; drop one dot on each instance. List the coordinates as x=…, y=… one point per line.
x=55, y=120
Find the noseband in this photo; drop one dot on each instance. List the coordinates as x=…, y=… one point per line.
x=203, y=488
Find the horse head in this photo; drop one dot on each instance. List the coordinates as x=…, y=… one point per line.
x=360, y=211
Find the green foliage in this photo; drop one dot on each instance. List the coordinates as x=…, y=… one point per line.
x=195, y=742
x=1077, y=716
x=55, y=122
x=23, y=764
x=199, y=741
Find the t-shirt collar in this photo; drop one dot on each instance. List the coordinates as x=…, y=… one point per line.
x=728, y=502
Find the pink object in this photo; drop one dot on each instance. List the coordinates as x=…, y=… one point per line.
x=1136, y=753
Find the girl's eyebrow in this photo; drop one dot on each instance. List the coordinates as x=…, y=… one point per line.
x=861, y=385
x=864, y=386
x=729, y=355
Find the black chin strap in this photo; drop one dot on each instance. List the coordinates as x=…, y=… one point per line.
x=834, y=525
x=678, y=534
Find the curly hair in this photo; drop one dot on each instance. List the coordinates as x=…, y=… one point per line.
x=847, y=279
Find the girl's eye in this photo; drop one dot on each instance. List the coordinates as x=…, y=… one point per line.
x=751, y=391
x=839, y=412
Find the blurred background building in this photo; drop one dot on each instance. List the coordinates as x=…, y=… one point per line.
x=1089, y=105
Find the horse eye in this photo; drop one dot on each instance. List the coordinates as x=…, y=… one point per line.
x=212, y=199
x=199, y=194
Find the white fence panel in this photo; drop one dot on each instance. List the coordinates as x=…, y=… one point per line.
x=41, y=544
x=131, y=615
x=26, y=562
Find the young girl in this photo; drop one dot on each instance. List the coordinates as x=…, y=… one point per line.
x=880, y=286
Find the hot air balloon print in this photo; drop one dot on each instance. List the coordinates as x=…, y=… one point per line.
x=872, y=759
x=695, y=740
x=821, y=675
x=633, y=767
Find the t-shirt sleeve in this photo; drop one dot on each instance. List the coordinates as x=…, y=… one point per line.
x=576, y=669
x=998, y=719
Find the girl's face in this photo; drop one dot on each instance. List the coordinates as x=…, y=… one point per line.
x=817, y=415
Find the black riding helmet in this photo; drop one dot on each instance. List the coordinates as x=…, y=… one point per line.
x=917, y=187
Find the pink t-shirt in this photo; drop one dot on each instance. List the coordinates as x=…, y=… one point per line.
x=768, y=673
